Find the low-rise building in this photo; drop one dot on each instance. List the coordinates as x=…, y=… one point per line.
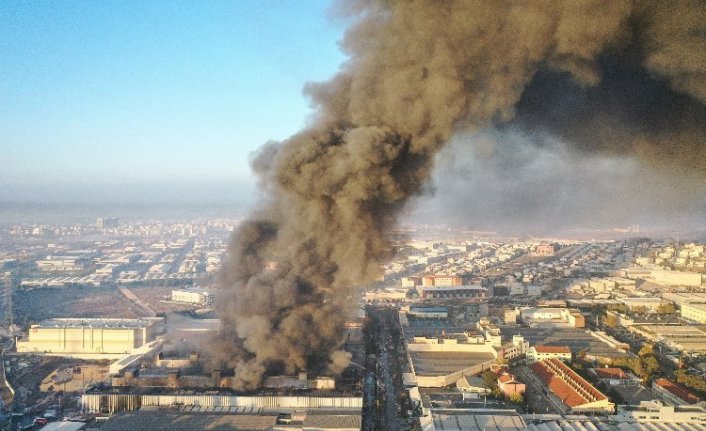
x=613, y=376
x=471, y=387
x=193, y=296
x=674, y=393
x=61, y=264
x=441, y=280
x=515, y=350
x=509, y=385
x=649, y=304
x=655, y=411
x=453, y=292
x=577, y=394
x=676, y=278
x=428, y=312
x=552, y=317
x=695, y=312
x=540, y=353
x=77, y=337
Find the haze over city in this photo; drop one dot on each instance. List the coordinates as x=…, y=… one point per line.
x=353, y=215
x=165, y=105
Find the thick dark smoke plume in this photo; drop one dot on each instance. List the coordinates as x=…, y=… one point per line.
x=609, y=77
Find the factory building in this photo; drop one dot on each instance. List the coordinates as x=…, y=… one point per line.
x=428, y=312
x=192, y=296
x=77, y=337
x=649, y=304
x=695, y=312
x=441, y=280
x=453, y=292
x=111, y=400
x=442, y=361
x=552, y=317
x=540, y=353
x=61, y=264
x=673, y=393
x=676, y=278
x=577, y=394
x=655, y=411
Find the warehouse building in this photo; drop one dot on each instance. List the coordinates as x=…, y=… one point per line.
x=673, y=393
x=542, y=352
x=577, y=394
x=190, y=418
x=85, y=337
x=428, y=312
x=695, y=312
x=655, y=411
x=541, y=317
x=192, y=296
x=111, y=400
x=453, y=292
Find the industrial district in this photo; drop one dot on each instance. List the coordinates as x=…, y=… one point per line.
x=106, y=326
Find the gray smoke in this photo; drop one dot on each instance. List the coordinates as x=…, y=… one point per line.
x=518, y=183
x=604, y=77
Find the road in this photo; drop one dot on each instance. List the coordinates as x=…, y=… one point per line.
x=537, y=394
x=389, y=408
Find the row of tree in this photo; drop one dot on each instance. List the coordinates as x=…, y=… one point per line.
x=643, y=365
x=691, y=381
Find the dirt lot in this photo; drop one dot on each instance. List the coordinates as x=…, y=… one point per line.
x=44, y=303
x=74, y=378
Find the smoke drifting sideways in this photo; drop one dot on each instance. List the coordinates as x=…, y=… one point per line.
x=606, y=77
x=515, y=183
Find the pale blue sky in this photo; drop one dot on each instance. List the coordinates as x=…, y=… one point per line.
x=98, y=98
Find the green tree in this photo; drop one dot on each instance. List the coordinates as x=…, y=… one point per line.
x=649, y=366
x=666, y=308
x=490, y=380
x=690, y=380
x=517, y=399
x=610, y=321
x=646, y=350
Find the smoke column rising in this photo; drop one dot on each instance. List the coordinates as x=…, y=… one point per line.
x=613, y=77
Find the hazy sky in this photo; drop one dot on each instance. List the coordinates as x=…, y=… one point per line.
x=98, y=98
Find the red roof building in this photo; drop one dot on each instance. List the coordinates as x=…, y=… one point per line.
x=573, y=390
x=674, y=393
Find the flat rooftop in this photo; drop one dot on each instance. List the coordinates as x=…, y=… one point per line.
x=470, y=422
x=343, y=390
x=443, y=363
x=98, y=323
x=577, y=339
x=167, y=420
x=697, y=333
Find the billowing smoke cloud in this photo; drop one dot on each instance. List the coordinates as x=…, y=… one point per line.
x=516, y=182
x=611, y=77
